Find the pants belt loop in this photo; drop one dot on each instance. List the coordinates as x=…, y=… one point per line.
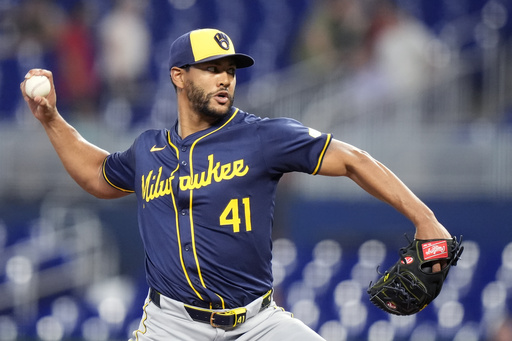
x=154, y=296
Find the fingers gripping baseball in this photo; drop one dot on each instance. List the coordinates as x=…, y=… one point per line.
x=40, y=100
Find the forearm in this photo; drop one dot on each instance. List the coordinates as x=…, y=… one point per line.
x=379, y=181
x=81, y=159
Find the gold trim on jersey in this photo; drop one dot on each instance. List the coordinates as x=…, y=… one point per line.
x=108, y=181
x=177, y=223
x=320, y=159
x=191, y=201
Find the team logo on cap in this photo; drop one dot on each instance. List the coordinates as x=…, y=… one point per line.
x=222, y=40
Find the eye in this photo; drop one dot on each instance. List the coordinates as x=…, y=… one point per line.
x=232, y=71
x=211, y=69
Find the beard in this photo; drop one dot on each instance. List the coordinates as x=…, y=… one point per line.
x=201, y=102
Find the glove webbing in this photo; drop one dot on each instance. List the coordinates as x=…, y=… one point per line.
x=397, y=286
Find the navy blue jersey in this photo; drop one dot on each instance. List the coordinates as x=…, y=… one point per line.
x=206, y=203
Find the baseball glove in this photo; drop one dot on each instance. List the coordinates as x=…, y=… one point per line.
x=410, y=285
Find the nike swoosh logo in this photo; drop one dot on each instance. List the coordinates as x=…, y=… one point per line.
x=156, y=149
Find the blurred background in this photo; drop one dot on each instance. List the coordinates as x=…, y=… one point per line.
x=422, y=85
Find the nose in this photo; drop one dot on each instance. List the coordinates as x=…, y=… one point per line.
x=224, y=79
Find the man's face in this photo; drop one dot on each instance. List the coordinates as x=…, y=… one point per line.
x=210, y=87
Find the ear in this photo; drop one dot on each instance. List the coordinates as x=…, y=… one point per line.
x=177, y=77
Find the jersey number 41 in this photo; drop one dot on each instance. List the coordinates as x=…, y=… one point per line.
x=231, y=215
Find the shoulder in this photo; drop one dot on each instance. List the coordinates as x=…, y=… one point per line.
x=266, y=122
x=152, y=135
x=147, y=140
x=243, y=117
x=276, y=129
x=281, y=127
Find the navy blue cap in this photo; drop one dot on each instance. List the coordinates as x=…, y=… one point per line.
x=205, y=45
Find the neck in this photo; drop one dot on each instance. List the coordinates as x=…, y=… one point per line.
x=187, y=127
x=190, y=121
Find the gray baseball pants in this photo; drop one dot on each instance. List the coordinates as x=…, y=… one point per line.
x=171, y=321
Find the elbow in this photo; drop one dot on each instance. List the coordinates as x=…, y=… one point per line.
x=358, y=159
x=99, y=195
x=108, y=195
x=102, y=190
x=94, y=191
x=361, y=155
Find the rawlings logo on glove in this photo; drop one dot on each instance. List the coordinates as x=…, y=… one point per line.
x=435, y=250
x=410, y=285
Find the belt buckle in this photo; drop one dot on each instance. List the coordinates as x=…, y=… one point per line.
x=212, y=316
x=239, y=317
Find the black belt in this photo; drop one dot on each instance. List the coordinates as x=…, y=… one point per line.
x=229, y=318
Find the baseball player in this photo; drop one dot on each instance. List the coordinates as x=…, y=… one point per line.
x=205, y=192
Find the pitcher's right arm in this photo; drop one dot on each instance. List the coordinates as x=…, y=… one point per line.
x=81, y=159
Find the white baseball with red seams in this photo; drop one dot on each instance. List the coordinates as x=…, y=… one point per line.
x=37, y=86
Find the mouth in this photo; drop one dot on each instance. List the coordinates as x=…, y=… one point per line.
x=222, y=97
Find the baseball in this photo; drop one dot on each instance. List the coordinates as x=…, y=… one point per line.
x=37, y=86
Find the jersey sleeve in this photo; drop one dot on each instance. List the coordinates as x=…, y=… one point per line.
x=119, y=170
x=289, y=146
